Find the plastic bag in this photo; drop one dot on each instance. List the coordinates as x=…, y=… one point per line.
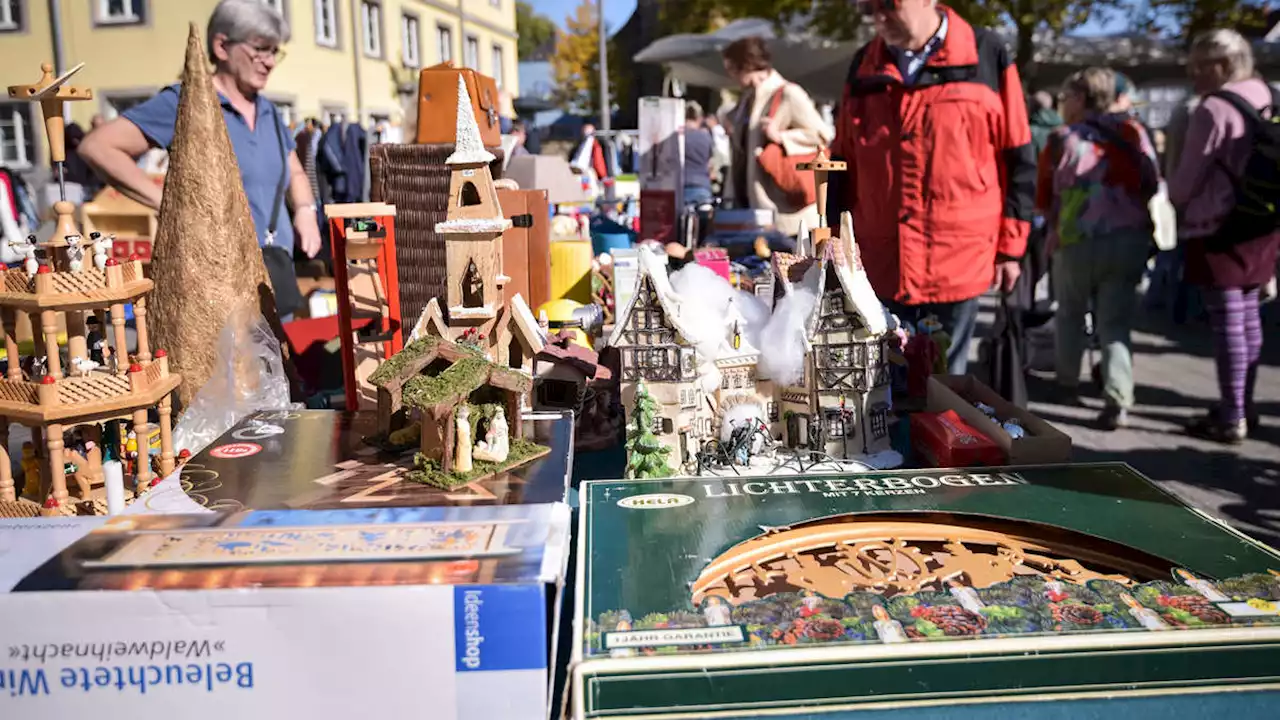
x=248, y=377
x=1164, y=218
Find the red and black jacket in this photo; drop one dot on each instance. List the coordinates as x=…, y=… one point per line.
x=941, y=175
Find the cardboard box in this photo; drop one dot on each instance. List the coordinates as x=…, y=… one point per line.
x=317, y=460
x=1043, y=442
x=947, y=590
x=411, y=612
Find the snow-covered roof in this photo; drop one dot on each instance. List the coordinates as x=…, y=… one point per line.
x=526, y=323
x=857, y=292
x=473, y=225
x=652, y=266
x=468, y=148
x=745, y=353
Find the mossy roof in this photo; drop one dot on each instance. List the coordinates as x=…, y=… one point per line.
x=392, y=368
x=459, y=380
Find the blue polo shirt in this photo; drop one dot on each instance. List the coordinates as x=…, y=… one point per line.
x=257, y=152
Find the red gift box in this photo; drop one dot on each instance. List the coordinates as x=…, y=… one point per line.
x=945, y=440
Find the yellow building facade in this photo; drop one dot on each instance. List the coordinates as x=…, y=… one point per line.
x=345, y=58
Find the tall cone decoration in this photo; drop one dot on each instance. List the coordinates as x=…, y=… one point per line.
x=206, y=263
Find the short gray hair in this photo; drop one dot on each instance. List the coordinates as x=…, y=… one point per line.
x=242, y=20
x=1228, y=45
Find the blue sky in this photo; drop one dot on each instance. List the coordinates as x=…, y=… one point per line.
x=616, y=13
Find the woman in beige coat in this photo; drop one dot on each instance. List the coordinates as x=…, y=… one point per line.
x=796, y=126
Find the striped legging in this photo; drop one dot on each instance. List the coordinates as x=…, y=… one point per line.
x=1237, y=334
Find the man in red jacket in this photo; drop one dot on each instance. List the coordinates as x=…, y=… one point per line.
x=941, y=174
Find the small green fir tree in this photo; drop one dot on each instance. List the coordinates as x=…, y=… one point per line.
x=646, y=457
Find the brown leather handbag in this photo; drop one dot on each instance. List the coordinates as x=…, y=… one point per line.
x=438, y=104
x=796, y=185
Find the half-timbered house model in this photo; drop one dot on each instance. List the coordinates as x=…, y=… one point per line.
x=477, y=311
x=659, y=345
x=76, y=398
x=433, y=384
x=841, y=407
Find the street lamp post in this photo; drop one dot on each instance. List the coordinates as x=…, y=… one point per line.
x=606, y=124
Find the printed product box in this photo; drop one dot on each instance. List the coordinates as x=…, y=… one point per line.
x=396, y=613
x=967, y=591
x=945, y=440
x=318, y=460
x=1043, y=442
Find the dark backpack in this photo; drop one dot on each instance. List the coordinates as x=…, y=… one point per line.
x=1257, y=209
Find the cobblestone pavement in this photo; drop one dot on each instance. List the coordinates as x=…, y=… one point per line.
x=1174, y=370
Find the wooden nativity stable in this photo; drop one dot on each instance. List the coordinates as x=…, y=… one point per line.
x=431, y=379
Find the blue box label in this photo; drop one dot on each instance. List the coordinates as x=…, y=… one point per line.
x=499, y=627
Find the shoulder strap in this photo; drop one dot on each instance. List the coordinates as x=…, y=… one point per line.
x=284, y=175
x=1250, y=113
x=775, y=102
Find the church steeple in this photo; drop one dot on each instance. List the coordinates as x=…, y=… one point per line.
x=473, y=229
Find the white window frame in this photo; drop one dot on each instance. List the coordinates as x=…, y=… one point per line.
x=371, y=28
x=280, y=6
x=498, y=58
x=329, y=9
x=471, y=52
x=444, y=43
x=135, y=13
x=332, y=114
x=19, y=115
x=8, y=23
x=287, y=110
x=410, y=40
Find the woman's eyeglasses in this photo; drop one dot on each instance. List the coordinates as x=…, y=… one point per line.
x=264, y=53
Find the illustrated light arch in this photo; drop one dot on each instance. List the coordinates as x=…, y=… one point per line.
x=906, y=553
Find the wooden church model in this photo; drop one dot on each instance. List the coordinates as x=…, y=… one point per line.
x=477, y=311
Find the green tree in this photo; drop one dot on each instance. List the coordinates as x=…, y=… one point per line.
x=646, y=457
x=537, y=31
x=576, y=62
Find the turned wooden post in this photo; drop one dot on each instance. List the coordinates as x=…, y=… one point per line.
x=49, y=326
x=11, y=344
x=57, y=465
x=121, y=348
x=166, y=437
x=77, y=346
x=7, y=493
x=142, y=468
x=140, y=324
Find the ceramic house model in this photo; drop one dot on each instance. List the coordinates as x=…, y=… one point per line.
x=477, y=310
x=658, y=346
x=842, y=406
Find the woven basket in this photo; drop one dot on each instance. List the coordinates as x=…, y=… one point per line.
x=415, y=179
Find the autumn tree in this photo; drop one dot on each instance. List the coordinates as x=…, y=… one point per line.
x=536, y=31
x=837, y=20
x=1185, y=19
x=576, y=62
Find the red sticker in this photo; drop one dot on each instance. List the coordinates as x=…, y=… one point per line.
x=235, y=450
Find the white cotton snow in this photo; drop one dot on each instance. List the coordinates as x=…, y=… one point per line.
x=782, y=344
x=706, y=300
x=739, y=415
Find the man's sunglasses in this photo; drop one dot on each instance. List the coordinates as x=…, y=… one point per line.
x=868, y=8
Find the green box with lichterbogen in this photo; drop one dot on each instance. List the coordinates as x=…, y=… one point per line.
x=734, y=595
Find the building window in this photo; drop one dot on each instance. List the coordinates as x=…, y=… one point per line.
x=650, y=357
x=287, y=113
x=119, y=12
x=496, y=71
x=371, y=23
x=471, y=54
x=333, y=115
x=444, y=43
x=688, y=361
x=410, y=54
x=17, y=139
x=10, y=15
x=658, y=424
x=277, y=5
x=773, y=412
x=689, y=398
x=327, y=23
x=879, y=420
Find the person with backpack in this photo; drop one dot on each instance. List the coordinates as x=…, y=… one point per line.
x=1096, y=176
x=1227, y=189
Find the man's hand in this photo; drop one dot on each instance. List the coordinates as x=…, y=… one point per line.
x=307, y=228
x=1007, y=274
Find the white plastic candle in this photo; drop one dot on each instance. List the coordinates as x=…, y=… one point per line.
x=113, y=478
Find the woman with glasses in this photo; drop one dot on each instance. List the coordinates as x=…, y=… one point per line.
x=243, y=41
